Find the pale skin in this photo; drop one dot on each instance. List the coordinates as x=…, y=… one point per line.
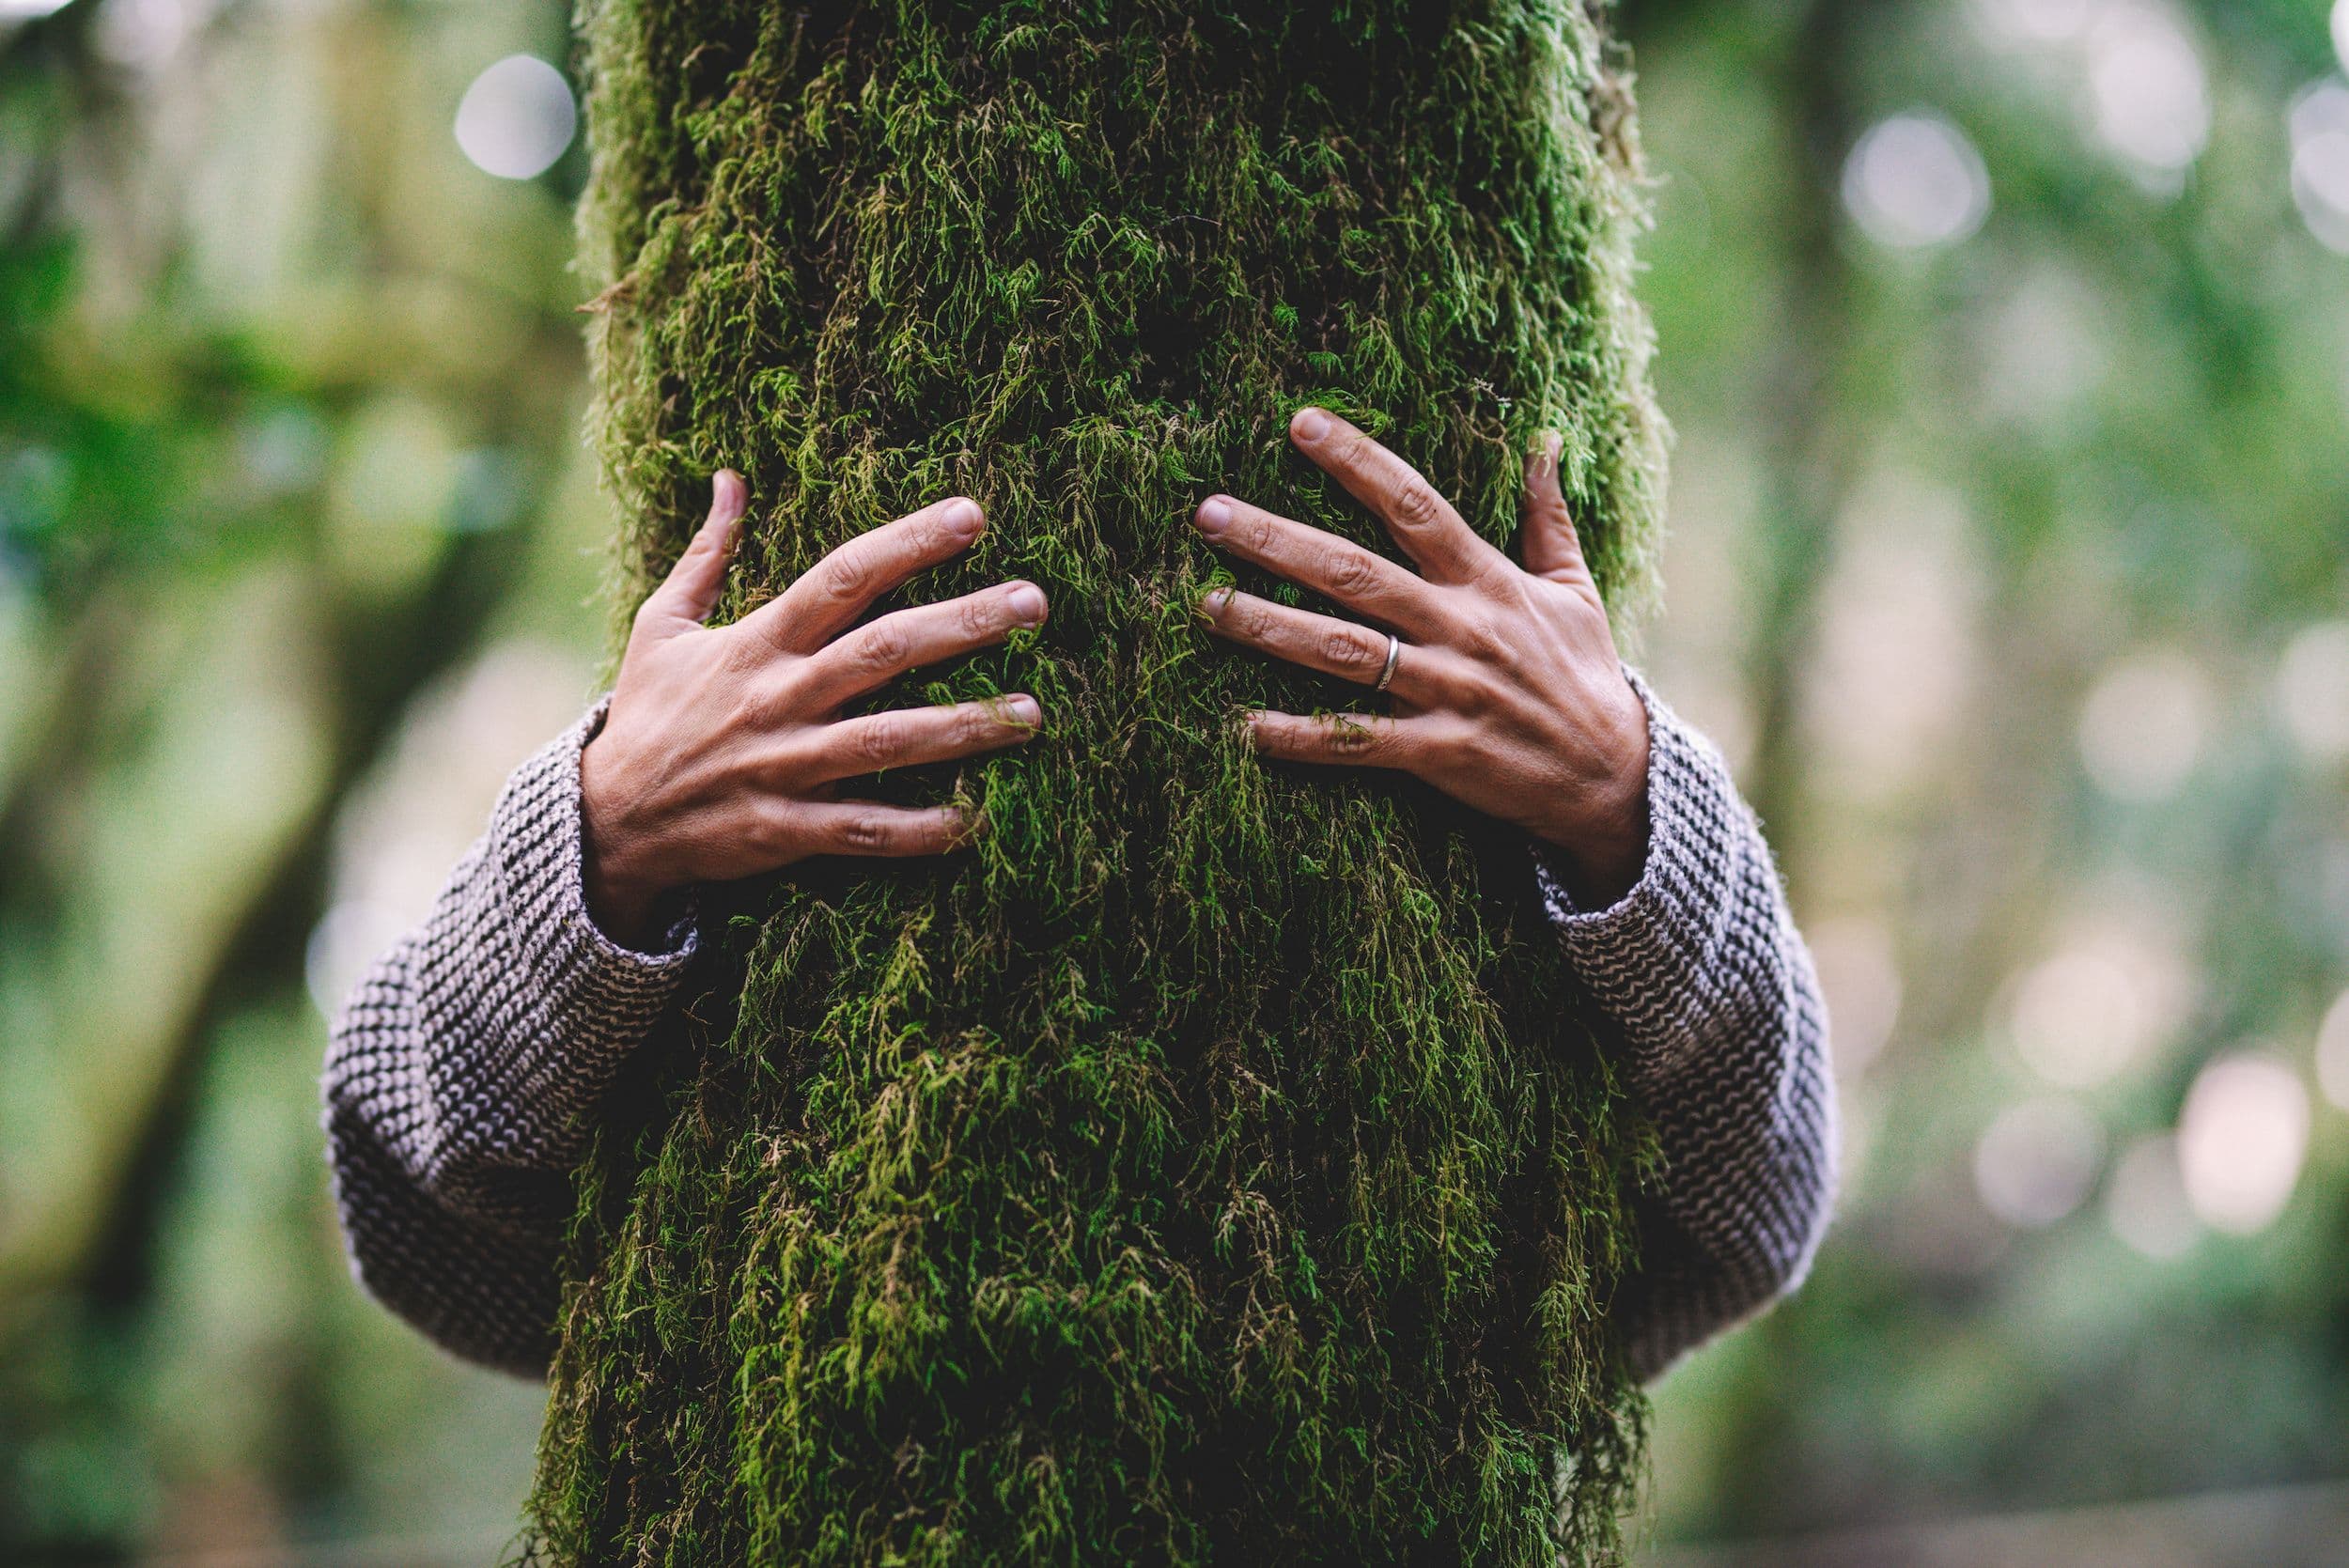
x=724, y=748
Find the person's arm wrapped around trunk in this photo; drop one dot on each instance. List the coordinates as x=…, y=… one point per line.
x=464, y=1067
x=1701, y=966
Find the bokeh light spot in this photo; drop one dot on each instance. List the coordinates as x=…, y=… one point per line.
x=2143, y=726
x=517, y=118
x=2037, y=1162
x=2092, y=1010
x=2148, y=97
x=2319, y=127
x=1915, y=181
x=2312, y=689
x=2332, y=1052
x=2241, y=1142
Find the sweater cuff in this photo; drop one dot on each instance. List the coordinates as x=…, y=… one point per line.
x=1648, y=957
x=578, y=1002
x=680, y=936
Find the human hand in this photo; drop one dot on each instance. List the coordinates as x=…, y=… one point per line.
x=722, y=750
x=1508, y=693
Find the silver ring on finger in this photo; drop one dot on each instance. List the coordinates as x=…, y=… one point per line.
x=1394, y=657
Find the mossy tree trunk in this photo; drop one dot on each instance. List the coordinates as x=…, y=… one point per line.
x=1217, y=1163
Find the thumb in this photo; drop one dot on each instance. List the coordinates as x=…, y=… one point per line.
x=685, y=598
x=1549, y=545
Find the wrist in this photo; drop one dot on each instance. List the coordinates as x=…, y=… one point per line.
x=1602, y=842
x=621, y=894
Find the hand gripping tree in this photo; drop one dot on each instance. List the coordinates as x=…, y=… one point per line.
x=1217, y=1162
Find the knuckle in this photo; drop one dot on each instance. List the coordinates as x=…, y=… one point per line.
x=881, y=740
x=882, y=646
x=978, y=617
x=1345, y=648
x=847, y=575
x=864, y=832
x=1416, y=502
x=1350, y=571
x=1352, y=739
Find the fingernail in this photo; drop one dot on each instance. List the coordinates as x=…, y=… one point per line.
x=1215, y=515
x=1024, y=709
x=964, y=518
x=1215, y=600
x=1027, y=603
x=1311, y=424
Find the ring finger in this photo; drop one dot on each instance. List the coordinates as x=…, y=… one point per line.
x=1324, y=642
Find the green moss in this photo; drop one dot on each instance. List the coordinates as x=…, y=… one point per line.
x=1217, y=1164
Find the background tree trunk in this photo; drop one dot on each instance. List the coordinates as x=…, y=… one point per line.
x=1215, y=1164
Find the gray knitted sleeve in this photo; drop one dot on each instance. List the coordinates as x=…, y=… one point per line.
x=1703, y=969
x=462, y=1064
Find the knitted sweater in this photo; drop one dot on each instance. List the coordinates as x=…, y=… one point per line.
x=465, y=1065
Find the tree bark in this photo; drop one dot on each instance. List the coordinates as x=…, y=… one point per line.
x=1219, y=1162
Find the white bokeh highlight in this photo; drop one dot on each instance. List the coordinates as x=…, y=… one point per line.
x=2037, y=1162
x=1914, y=182
x=2144, y=725
x=517, y=118
x=146, y=35
x=2319, y=127
x=2147, y=97
x=2313, y=691
x=2332, y=1052
x=27, y=10
x=2099, y=1005
x=2242, y=1140
x=2133, y=70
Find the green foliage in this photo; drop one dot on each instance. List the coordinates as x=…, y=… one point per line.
x=1217, y=1164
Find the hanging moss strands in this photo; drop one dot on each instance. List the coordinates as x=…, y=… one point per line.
x=1217, y=1164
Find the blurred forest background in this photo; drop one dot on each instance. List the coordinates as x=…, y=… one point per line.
x=2007, y=342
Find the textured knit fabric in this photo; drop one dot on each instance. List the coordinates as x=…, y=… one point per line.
x=466, y=1065
x=1703, y=971
x=463, y=1068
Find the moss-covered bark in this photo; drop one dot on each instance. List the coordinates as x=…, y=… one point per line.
x=1215, y=1165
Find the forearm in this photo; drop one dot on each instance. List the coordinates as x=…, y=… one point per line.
x=463, y=1069
x=1703, y=971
